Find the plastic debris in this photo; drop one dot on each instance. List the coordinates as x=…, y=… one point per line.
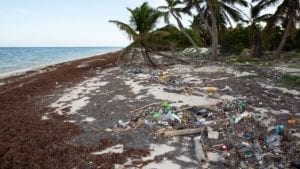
x=123, y=124
x=231, y=126
x=172, y=116
x=199, y=111
x=239, y=104
x=212, y=134
x=296, y=164
x=224, y=147
x=248, y=135
x=257, y=116
x=155, y=115
x=279, y=129
x=241, y=116
x=258, y=151
x=292, y=121
x=273, y=141
x=248, y=153
x=267, y=122
x=211, y=90
x=215, y=157
x=166, y=107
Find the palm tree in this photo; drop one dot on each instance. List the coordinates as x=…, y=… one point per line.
x=254, y=19
x=211, y=12
x=140, y=29
x=288, y=12
x=172, y=10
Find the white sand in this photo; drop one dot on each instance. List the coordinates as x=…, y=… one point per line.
x=77, y=97
x=282, y=89
x=119, y=148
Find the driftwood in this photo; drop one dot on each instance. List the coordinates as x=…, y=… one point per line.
x=172, y=57
x=172, y=133
x=200, y=154
x=139, y=122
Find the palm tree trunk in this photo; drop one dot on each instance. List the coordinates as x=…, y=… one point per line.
x=146, y=56
x=257, y=42
x=284, y=38
x=214, y=32
x=184, y=32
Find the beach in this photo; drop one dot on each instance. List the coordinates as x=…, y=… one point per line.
x=83, y=113
x=23, y=134
x=153, y=84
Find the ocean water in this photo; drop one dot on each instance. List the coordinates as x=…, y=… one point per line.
x=19, y=59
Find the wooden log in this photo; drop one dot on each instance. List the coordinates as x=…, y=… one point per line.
x=172, y=133
x=200, y=154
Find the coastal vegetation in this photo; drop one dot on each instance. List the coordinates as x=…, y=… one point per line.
x=223, y=26
x=140, y=29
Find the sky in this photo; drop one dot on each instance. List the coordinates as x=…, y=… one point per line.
x=37, y=23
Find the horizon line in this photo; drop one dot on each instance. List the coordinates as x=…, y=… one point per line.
x=62, y=46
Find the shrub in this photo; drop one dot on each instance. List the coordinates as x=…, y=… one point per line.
x=290, y=80
x=235, y=40
x=176, y=38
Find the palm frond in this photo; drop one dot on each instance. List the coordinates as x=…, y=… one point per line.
x=124, y=27
x=144, y=18
x=233, y=13
x=263, y=18
x=239, y=2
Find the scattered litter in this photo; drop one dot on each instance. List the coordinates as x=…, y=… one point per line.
x=215, y=157
x=241, y=116
x=296, y=164
x=123, y=124
x=226, y=128
x=212, y=134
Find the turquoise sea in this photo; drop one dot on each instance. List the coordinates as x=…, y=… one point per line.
x=19, y=59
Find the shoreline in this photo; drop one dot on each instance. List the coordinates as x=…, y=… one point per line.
x=50, y=77
x=16, y=76
x=47, y=65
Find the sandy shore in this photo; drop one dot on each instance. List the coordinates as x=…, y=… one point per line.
x=21, y=129
x=81, y=113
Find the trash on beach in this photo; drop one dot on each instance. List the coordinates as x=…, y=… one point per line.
x=166, y=107
x=123, y=124
x=212, y=134
x=296, y=164
x=215, y=157
x=292, y=121
x=273, y=141
x=267, y=122
x=227, y=130
x=242, y=116
x=279, y=129
x=210, y=90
